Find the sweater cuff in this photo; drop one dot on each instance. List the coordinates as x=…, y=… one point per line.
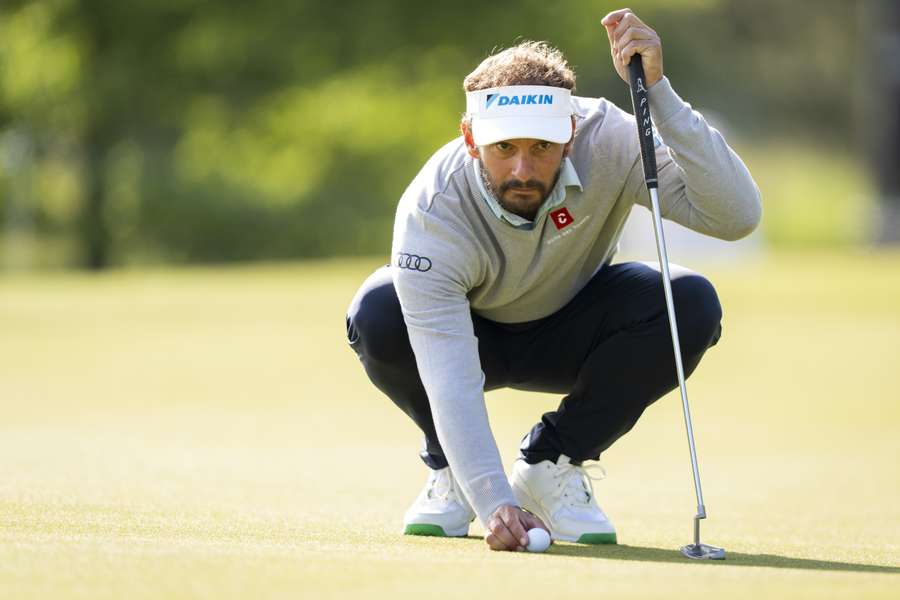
x=664, y=102
x=490, y=494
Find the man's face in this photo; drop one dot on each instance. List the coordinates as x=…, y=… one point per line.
x=521, y=172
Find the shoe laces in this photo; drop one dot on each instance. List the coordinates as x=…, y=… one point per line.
x=575, y=482
x=441, y=485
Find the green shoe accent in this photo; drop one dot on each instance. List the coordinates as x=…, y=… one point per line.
x=423, y=529
x=597, y=538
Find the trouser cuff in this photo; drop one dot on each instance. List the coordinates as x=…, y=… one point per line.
x=541, y=444
x=434, y=460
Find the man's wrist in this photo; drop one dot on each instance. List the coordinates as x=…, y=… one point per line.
x=486, y=510
x=664, y=101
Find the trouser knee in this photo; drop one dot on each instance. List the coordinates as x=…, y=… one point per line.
x=698, y=313
x=375, y=327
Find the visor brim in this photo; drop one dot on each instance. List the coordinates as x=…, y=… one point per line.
x=552, y=129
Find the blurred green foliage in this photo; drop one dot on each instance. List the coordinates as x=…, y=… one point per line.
x=191, y=130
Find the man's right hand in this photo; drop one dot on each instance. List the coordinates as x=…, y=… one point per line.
x=508, y=528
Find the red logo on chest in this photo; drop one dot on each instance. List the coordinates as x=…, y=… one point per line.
x=561, y=217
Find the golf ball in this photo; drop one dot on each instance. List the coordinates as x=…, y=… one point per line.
x=538, y=540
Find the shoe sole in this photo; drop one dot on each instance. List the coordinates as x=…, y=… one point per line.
x=597, y=538
x=585, y=538
x=431, y=530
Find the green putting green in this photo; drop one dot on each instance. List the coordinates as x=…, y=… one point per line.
x=206, y=433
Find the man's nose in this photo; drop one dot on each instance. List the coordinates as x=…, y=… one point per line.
x=522, y=167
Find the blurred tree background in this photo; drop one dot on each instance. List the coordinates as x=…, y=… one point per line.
x=178, y=131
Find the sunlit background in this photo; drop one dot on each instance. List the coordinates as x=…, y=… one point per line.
x=150, y=132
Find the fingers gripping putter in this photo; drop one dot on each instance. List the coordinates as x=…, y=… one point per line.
x=645, y=136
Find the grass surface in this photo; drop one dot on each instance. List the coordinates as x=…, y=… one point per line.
x=207, y=434
x=813, y=194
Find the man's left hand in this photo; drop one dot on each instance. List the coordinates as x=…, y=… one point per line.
x=628, y=36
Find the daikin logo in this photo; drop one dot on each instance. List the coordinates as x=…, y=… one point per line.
x=518, y=100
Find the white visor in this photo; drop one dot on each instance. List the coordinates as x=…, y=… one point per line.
x=520, y=111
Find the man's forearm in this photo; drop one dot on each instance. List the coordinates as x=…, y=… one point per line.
x=441, y=333
x=707, y=188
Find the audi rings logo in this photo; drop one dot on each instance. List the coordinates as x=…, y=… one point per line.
x=413, y=262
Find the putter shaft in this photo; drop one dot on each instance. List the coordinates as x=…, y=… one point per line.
x=676, y=346
x=641, y=103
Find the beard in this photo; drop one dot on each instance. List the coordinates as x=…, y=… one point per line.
x=523, y=206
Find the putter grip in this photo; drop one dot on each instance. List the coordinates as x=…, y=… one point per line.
x=641, y=106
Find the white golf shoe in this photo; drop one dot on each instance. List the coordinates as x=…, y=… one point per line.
x=562, y=496
x=441, y=508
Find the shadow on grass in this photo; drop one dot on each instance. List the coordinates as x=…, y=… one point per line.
x=733, y=559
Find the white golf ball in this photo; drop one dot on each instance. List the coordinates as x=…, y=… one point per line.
x=538, y=540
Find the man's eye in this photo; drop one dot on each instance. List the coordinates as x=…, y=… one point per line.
x=544, y=146
x=503, y=146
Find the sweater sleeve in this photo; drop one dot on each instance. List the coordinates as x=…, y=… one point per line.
x=437, y=315
x=703, y=184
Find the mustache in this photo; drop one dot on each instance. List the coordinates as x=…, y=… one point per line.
x=515, y=184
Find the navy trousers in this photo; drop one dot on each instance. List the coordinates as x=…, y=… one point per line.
x=608, y=350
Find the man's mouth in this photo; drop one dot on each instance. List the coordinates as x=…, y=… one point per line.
x=522, y=189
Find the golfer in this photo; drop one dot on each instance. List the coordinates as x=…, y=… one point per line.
x=502, y=275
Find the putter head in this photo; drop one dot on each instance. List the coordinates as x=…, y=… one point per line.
x=703, y=552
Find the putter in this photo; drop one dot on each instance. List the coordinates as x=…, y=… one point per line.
x=645, y=136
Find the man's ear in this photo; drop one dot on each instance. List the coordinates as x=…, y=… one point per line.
x=470, y=141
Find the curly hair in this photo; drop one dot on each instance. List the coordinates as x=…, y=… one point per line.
x=527, y=63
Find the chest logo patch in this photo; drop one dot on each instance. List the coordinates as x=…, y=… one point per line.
x=561, y=218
